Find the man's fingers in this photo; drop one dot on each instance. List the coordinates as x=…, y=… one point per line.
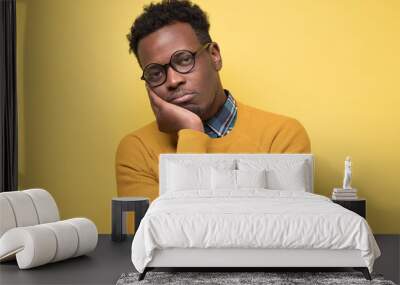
x=156, y=101
x=153, y=104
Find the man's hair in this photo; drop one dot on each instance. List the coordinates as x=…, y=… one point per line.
x=156, y=16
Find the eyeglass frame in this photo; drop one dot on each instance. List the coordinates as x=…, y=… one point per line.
x=167, y=65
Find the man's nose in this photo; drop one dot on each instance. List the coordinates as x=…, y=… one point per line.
x=174, y=78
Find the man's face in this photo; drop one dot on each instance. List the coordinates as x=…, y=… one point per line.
x=202, y=81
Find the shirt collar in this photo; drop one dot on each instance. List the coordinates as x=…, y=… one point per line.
x=222, y=122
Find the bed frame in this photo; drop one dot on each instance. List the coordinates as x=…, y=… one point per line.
x=246, y=259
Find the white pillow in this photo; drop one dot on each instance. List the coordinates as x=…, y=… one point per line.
x=281, y=174
x=228, y=179
x=204, y=162
x=251, y=178
x=223, y=179
x=181, y=177
x=287, y=179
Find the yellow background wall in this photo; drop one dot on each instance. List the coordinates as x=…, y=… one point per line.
x=334, y=65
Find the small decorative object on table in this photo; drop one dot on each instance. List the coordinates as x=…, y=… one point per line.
x=347, y=192
x=121, y=205
x=347, y=196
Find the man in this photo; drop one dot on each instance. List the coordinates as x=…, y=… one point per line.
x=194, y=113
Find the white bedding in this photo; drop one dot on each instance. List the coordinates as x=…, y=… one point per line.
x=250, y=218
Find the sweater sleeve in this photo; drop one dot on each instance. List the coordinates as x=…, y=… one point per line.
x=133, y=173
x=291, y=138
x=191, y=141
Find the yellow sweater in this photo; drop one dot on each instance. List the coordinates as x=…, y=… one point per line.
x=255, y=131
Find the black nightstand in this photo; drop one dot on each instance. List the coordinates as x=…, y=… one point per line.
x=121, y=205
x=358, y=206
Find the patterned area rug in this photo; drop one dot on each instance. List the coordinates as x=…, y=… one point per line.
x=270, y=278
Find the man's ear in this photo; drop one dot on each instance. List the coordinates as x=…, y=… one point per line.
x=216, y=56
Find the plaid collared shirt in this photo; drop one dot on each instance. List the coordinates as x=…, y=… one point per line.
x=223, y=121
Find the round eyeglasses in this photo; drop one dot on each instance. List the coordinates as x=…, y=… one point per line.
x=181, y=61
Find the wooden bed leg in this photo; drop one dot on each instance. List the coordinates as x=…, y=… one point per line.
x=364, y=271
x=143, y=274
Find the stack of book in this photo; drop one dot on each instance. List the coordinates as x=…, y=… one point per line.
x=344, y=194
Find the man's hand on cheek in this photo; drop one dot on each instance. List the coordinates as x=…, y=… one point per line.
x=172, y=118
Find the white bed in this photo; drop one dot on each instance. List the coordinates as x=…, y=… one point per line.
x=229, y=217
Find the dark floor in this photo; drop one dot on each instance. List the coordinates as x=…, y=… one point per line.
x=389, y=262
x=110, y=260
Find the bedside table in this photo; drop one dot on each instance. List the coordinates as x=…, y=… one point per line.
x=121, y=205
x=357, y=205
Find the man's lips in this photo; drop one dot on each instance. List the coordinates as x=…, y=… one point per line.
x=183, y=99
